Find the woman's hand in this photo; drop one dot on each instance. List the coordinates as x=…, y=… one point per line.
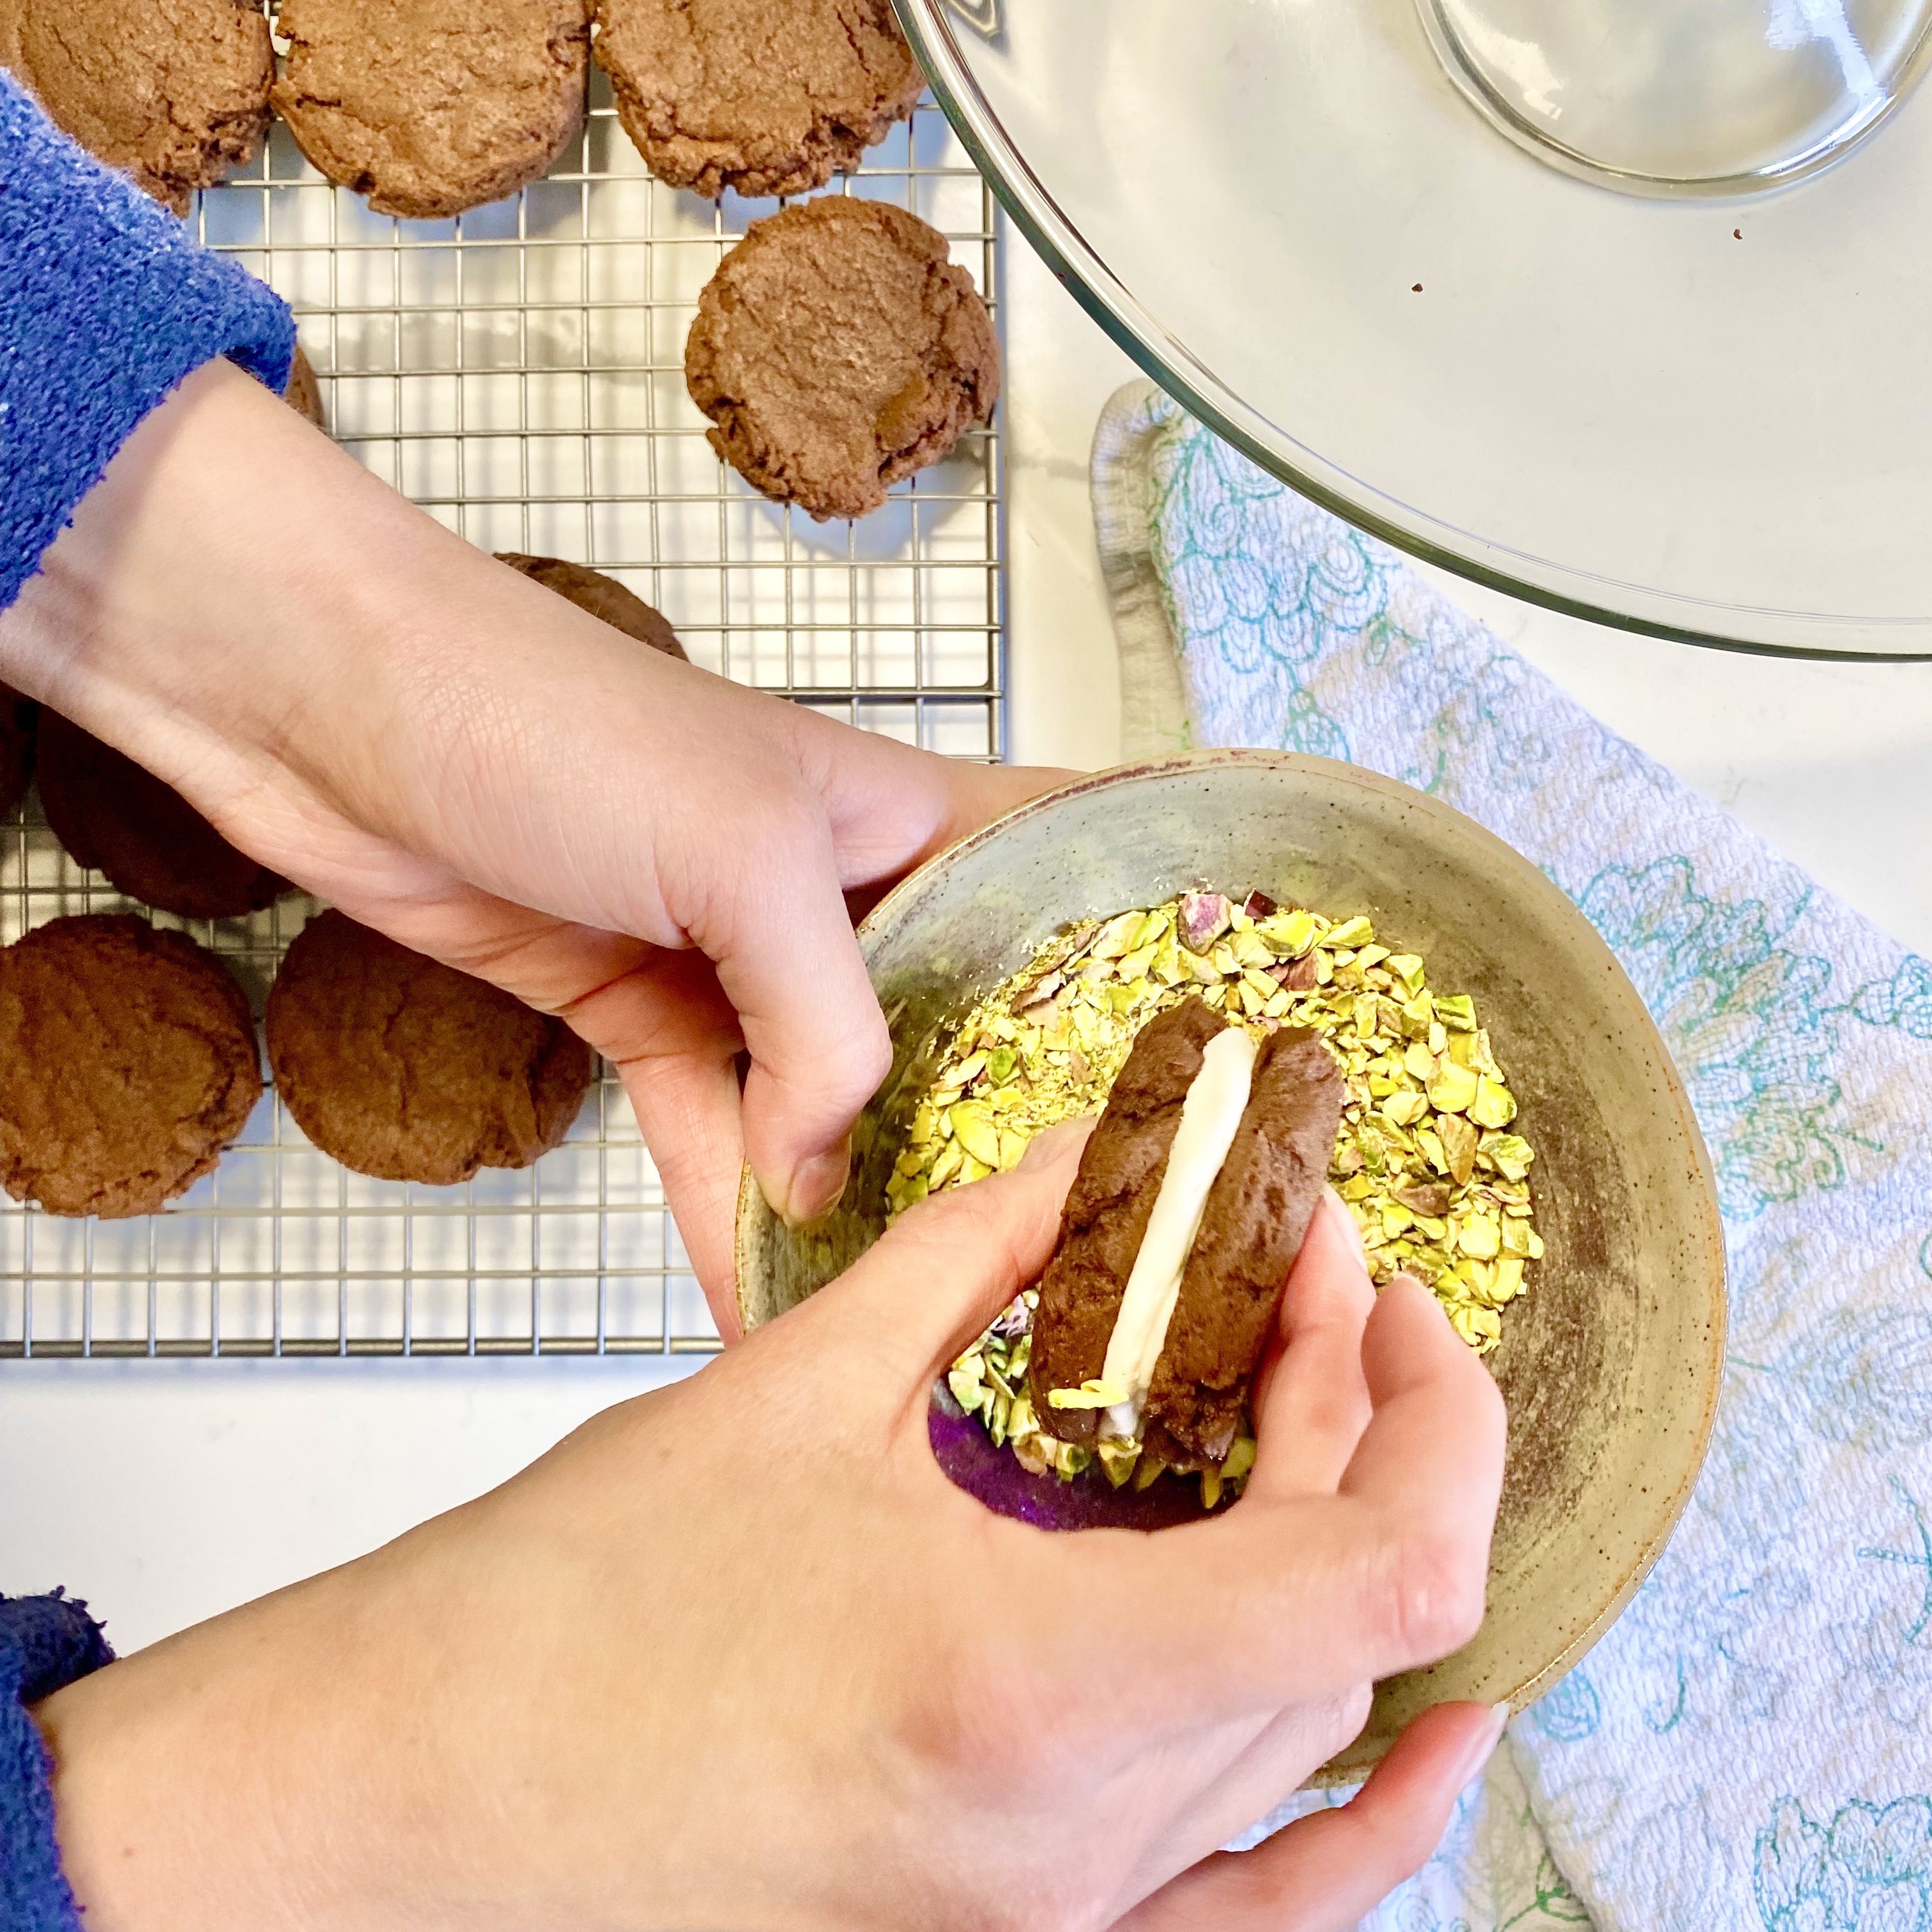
x=737, y=1655
x=461, y=759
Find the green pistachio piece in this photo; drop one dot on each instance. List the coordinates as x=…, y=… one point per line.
x=1494, y=1105
x=1291, y=933
x=1509, y=1154
x=973, y=1128
x=1451, y=1088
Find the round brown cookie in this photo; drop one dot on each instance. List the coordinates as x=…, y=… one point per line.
x=602, y=596
x=767, y=96
x=18, y=717
x=304, y=393
x=127, y=1063
x=410, y=1070
x=116, y=817
x=839, y=350
x=431, y=106
x=174, y=92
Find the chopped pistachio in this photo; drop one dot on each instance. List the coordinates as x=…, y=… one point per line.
x=1202, y=919
x=1088, y=1395
x=1458, y=1140
x=1481, y=1237
x=1457, y=1012
x=973, y=1128
x=1357, y=931
x=1451, y=1088
x=1408, y=968
x=1241, y=1460
x=1291, y=933
x=1494, y=1106
x=1118, y=1458
x=1117, y=937
x=1509, y=1154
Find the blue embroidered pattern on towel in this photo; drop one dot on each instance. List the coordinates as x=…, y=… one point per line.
x=1748, y=1746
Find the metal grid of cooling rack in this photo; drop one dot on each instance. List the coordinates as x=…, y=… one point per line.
x=518, y=371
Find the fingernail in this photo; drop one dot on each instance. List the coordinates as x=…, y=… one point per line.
x=1483, y=1745
x=1044, y=1149
x=1344, y=1218
x=816, y=1186
x=1413, y=1280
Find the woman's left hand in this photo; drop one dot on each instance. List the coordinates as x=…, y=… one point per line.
x=465, y=761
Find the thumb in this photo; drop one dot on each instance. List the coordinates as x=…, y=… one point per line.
x=818, y=1044
x=949, y=1265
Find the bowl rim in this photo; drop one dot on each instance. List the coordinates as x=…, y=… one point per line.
x=1534, y=880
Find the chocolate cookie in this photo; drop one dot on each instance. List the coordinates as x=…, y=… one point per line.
x=304, y=393
x=174, y=92
x=431, y=106
x=767, y=96
x=839, y=350
x=18, y=716
x=602, y=596
x=1108, y=1208
x=409, y=1070
x=127, y=1063
x=116, y=817
x=1252, y=1230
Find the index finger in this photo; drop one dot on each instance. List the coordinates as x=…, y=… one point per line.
x=1284, y=1601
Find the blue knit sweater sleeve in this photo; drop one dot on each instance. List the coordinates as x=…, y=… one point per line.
x=45, y=1642
x=106, y=304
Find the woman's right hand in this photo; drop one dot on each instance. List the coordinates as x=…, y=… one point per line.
x=736, y=1654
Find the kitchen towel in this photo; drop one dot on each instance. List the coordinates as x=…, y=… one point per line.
x=1751, y=1745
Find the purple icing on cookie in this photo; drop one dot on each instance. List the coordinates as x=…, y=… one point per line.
x=966, y=1453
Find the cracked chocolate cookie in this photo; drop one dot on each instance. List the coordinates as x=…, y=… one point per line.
x=838, y=350
x=114, y=817
x=18, y=717
x=602, y=596
x=174, y=92
x=127, y=1063
x=767, y=96
x=410, y=1070
x=431, y=106
x=303, y=392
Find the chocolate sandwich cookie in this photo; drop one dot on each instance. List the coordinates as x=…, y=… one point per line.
x=838, y=350
x=409, y=1070
x=303, y=392
x=127, y=1063
x=18, y=717
x=765, y=97
x=1105, y=1217
x=173, y=92
x=1255, y=1220
x=1198, y=1181
x=116, y=817
x=603, y=597
x=431, y=106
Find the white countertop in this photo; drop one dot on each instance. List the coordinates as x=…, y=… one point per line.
x=164, y=1492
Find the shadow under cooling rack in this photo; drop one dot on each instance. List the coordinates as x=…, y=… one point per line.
x=518, y=372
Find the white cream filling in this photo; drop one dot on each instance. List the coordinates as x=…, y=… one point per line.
x=1209, y=1116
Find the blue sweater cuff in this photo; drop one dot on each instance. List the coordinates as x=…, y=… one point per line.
x=45, y=1642
x=106, y=305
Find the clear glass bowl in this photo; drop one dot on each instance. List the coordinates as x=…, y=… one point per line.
x=1707, y=421
x=1710, y=98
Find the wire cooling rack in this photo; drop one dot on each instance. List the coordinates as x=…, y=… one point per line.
x=519, y=372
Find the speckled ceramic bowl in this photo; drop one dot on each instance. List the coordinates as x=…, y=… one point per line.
x=1610, y=1364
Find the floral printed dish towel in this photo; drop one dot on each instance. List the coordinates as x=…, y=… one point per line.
x=1750, y=1745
